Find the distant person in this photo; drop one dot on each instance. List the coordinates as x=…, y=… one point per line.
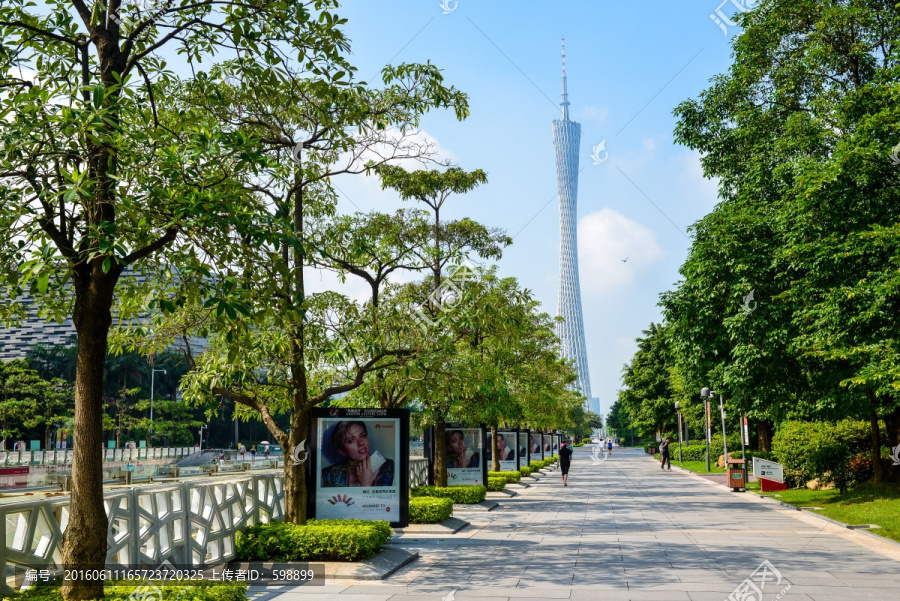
x=241, y=450
x=253, y=453
x=222, y=459
x=664, y=454
x=266, y=452
x=565, y=460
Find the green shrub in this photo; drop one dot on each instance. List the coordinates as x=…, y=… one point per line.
x=767, y=455
x=496, y=483
x=510, y=476
x=122, y=590
x=578, y=444
x=538, y=465
x=317, y=540
x=831, y=463
x=429, y=510
x=460, y=494
x=525, y=470
x=585, y=441
x=795, y=443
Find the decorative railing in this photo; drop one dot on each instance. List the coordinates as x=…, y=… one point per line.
x=190, y=523
x=187, y=523
x=64, y=456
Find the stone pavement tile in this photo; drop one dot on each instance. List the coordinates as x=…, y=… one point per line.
x=304, y=596
x=630, y=595
x=325, y=589
x=375, y=588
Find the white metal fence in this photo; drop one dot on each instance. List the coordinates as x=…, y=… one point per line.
x=64, y=456
x=189, y=523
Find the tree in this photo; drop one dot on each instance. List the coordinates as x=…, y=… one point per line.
x=109, y=159
x=648, y=394
x=276, y=349
x=800, y=132
x=450, y=241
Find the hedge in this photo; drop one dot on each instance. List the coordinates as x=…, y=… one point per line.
x=525, y=470
x=496, y=483
x=538, y=465
x=796, y=442
x=585, y=441
x=138, y=589
x=317, y=540
x=509, y=476
x=466, y=495
x=429, y=510
x=578, y=444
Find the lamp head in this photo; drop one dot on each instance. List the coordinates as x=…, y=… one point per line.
x=677, y=405
x=704, y=393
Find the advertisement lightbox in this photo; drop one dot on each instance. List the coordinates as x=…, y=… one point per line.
x=359, y=464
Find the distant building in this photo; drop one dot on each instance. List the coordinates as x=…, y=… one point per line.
x=16, y=342
x=594, y=405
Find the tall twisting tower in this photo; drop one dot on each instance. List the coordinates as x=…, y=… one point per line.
x=566, y=139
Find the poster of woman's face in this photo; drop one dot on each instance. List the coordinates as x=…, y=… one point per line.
x=523, y=449
x=535, y=446
x=464, y=456
x=548, y=445
x=506, y=451
x=555, y=444
x=357, y=470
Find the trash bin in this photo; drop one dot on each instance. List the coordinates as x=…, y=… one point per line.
x=737, y=475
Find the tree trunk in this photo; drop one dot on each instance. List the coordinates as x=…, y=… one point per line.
x=877, y=468
x=764, y=435
x=440, y=451
x=892, y=427
x=84, y=541
x=295, y=492
x=495, y=457
x=47, y=430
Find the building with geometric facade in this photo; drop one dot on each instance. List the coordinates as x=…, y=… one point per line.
x=566, y=142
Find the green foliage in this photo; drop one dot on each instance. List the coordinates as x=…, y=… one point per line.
x=831, y=463
x=132, y=590
x=795, y=442
x=430, y=510
x=578, y=444
x=509, y=476
x=525, y=470
x=317, y=540
x=467, y=494
x=538, y=464
x=496, y=483
x=585, y=441
x=648, y=395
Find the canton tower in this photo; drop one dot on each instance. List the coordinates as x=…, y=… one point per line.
x=566, y=139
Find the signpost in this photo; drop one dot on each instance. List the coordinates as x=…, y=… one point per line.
x=770, y=475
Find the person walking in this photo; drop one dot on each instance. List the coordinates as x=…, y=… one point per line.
x=664, y=454
x=609, y=446
x=242, y=450
x=253, y=453
x=565, y=460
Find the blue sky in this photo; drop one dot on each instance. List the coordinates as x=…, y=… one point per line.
x=629, y=65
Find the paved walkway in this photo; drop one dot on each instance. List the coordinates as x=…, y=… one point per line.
x=624, y=530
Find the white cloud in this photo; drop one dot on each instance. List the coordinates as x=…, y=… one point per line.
x=612, y=249
x=594, y=113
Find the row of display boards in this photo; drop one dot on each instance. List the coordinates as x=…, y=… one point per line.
x=358, y=462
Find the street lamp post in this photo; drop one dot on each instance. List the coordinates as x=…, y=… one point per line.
x=724, y=442
x=152, y=386
x=705, y=394
x=678, y=409
x=202, y=427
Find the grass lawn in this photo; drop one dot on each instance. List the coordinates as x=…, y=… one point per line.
x=700, y=467
x=863, y=505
